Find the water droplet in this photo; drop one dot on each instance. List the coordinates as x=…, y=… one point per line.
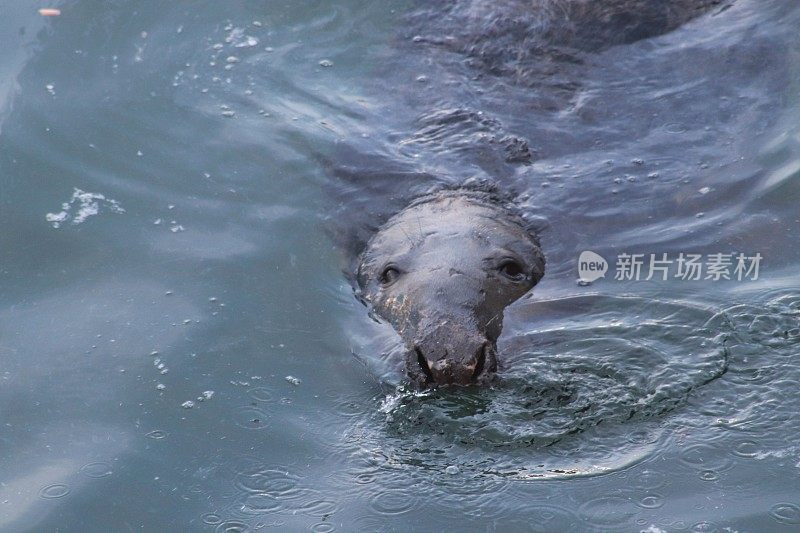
x=326, y=63
x=452, y=470
x=187, y=404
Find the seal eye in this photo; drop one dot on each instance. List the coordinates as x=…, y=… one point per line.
x=389, y=275
x=512, y=269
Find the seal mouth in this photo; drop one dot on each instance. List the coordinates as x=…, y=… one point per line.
x=481, y=362
x=426, y=369
x=444, y=372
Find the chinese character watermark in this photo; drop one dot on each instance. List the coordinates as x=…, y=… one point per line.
x=684, y=266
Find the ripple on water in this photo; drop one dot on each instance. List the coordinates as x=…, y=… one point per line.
x=317, y=506
x=785, y=513
x=211, y=519
x=365, y=478
x=651, y=501
x=260, y=394
x=746, y=448
x=706, y=458
x=608, y=512
x=772, y=326
x=251, y=417
x=54, y=491
x=270, y=481
x=156, y=434
x=475, y=489
x=544, y=518
x=649, y=479
x=709, y=475
x=96, y=470
x=705, y=527
x=581, y=394
x=323, y=527
x=393, y=502
x=259, y=503
x=351, y=407
x=370, y=522
x=232, y=526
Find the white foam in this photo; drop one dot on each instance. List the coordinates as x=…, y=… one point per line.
x=81, y=206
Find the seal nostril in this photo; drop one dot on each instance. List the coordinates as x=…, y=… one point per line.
x=481, y=361
x=423, y=363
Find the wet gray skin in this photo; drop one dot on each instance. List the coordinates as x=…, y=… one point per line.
x=441, y=272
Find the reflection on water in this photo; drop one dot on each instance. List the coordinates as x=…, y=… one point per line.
x=180, y=185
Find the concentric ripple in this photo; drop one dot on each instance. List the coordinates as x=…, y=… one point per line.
x=584, y=389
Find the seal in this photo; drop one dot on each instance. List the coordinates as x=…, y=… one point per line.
x=441, y=272
x=446, y=265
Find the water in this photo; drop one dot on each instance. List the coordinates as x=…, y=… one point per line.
x=180, y=186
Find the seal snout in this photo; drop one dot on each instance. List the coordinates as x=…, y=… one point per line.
x=455, y=361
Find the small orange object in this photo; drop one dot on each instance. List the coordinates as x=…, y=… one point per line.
x=49, y=12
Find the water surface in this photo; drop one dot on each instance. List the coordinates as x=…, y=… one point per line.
x=179, y=188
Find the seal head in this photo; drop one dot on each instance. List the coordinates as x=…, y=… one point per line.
x=442, y=271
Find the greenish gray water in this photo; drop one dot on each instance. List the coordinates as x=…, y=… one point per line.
x=180, y=184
